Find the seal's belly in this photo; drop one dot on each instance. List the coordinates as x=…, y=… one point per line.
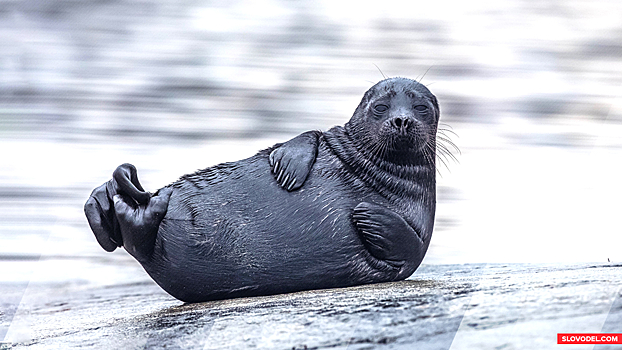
x=239, y=230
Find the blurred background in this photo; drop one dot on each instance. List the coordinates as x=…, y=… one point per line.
x=532, y=90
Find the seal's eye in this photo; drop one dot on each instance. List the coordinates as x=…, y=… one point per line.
x=421, y=108
x=380, y=109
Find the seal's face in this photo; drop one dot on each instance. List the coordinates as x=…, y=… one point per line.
x=397, y=120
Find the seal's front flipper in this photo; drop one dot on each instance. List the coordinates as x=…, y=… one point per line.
x=139, y=222
x=292, y=161
x=389, y=237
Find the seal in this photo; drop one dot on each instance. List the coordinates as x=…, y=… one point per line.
x=349, y=206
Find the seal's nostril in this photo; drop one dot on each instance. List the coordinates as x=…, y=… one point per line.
x=397, y=122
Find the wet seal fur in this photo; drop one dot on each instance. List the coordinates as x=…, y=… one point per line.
x=349, y=206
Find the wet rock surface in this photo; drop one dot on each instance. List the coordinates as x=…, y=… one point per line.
x=516, y=306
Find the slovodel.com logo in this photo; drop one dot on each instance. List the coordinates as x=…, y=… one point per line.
x=589, y=338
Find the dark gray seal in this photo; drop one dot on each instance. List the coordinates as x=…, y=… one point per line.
x=349, y=206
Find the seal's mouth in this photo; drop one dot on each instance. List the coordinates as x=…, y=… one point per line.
x=404, y=134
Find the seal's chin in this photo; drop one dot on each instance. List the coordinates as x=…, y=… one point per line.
x=407, y=143
x=403, y=148
x=406, y=148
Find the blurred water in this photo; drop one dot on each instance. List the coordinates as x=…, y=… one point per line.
x=533, y=91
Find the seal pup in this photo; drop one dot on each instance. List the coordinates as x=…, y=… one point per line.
x=349, y=206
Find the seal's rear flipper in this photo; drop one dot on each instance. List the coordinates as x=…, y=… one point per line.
x=291, y=162
x=100, y=207
x=139, y=223
x=389, y=237
x=101, y=217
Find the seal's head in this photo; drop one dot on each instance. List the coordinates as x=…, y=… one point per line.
x=397, y=121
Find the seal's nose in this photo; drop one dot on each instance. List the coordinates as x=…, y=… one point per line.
x=401, y=123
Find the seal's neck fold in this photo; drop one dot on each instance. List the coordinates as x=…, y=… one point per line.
x=385, y=176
